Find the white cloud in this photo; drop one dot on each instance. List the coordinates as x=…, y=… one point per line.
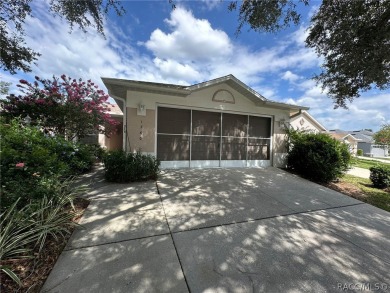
x=173, y=69
x=289, y=76
x=194, y=43
x=86, y=55
x=211, y=4
x=300, y=35
x=192, y=51
x=368, y=111
x=313, y=10
x=191, y=39
x=267, y=92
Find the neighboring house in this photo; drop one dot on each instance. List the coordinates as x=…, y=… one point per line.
x=346, y=138
x=217, y=123
x=114, y=142
x=366, y=140
x=302, y=120
x=367, y=144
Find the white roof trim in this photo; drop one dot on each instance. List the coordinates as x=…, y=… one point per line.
x=224, y=79
x=318, y=124
x=356, y=139
x=118, y=87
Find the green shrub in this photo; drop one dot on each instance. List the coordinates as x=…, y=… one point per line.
x=33, y=164
x=96, y=150
x=82, y=159
x=317, y=157
x=128, y=167
x=359, y=152
x=380, y=176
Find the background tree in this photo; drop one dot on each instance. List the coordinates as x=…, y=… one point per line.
x=15, y=55
x=4, y=87
x=67, y=107
x=265, y=15
x=353, y=37
x=383, y=135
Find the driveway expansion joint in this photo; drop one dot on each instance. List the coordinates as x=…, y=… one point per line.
x=264, y=218
x=113, y=242
x=173, y=240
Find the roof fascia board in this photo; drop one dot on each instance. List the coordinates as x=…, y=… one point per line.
x=311, y=118
x=314, y=120
x=119, y=101
x=227, y=78
x=159, y=90
x=146, y=87
x=238, y=85
x=285, y=106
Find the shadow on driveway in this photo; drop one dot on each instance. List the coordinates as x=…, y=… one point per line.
x=224, y=230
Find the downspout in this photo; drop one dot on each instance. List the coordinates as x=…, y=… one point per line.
x=124, y=144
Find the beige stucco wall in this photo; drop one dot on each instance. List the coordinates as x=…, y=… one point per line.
x=307, y=124
x=279, y=145
x=201, y=100
x=352, y=145
x=115, y=141
x=133, y=141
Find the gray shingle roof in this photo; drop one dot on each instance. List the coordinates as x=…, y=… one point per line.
x=363, y=138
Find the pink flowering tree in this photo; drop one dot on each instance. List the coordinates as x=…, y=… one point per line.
x=67, y=107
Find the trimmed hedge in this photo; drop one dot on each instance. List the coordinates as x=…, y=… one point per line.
x=128, y=167
x=380, y=176
x=317, y=157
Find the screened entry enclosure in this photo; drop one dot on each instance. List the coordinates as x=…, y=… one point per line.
x=193, y=138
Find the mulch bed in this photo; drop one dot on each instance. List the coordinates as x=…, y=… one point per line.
x=33, y=272
x=347, y=189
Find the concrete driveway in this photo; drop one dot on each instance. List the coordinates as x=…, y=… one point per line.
x=225, y=230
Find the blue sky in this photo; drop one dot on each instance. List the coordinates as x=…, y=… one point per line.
x=194, y=43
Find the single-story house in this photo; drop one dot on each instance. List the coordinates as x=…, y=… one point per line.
x=303, y=121
x=346, y=138
x=217, y=123
x=367, y=144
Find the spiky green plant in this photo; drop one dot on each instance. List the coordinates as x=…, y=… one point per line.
x=21, y=230
x=15, y=237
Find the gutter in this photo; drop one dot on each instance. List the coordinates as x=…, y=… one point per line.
x=285, y=106
x=124, y=131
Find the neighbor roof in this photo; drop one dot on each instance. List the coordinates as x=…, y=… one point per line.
x=114, y=110
x=341, y=136
x=363, y=131
x=119, y=87
x=363, y=137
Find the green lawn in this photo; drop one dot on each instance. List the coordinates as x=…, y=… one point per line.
x=367, y=164
x=376, y=197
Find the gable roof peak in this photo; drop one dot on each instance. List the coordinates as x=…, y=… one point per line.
x=119, y=87
x=232, y=81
